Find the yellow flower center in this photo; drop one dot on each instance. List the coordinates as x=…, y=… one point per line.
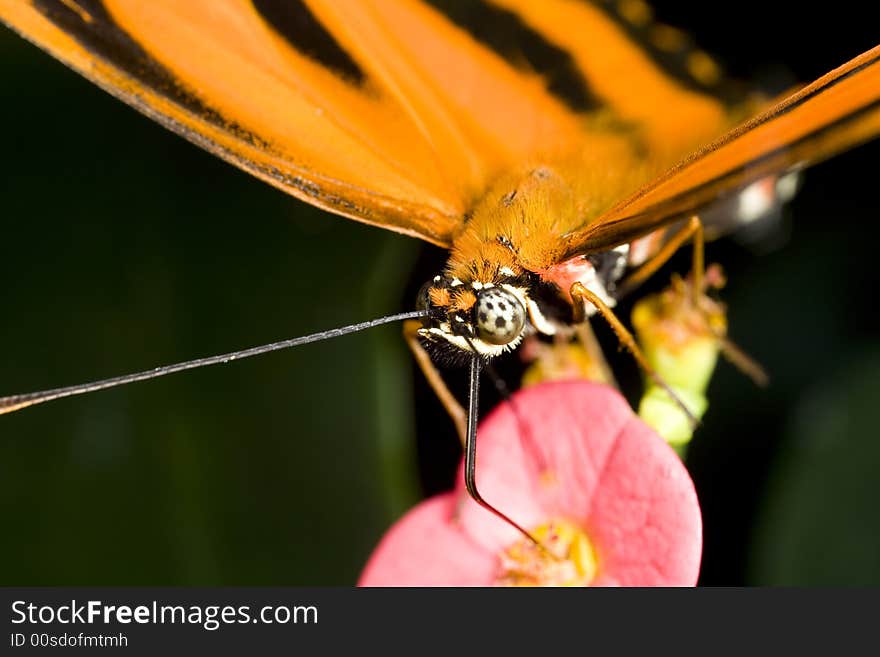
x=565, y=557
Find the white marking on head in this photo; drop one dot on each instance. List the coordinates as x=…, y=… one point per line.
x=541, y=323
x=482, y=348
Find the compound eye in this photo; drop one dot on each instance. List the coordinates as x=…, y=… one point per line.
x=498, y=316
x=423, y=298
x=423, y=302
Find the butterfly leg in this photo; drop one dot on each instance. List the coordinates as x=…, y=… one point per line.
x=587, y=337
x=432, y=374
x=581, y=295
x=692, y=230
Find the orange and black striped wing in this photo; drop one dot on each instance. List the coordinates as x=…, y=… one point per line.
x=838, y=111
x=384, y=112
x=644, y=75
x=396, y=113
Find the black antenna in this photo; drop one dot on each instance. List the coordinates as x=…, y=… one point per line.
x=16, y=402
x=470, y=450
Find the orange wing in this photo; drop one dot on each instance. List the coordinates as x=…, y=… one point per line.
x=383, y=112
x=398, y=114
x=650, y=75
x=837, y=111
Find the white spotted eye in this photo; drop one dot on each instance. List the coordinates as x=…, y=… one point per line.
x=498, y=316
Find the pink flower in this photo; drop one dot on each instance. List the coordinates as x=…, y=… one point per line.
x=584, y=474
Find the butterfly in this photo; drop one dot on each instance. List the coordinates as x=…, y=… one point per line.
x=454, y=162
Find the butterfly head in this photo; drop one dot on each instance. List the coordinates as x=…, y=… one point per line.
x=467, y=317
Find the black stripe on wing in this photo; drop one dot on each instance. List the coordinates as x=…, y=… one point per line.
x=92, y=26
x=293, y=20
x=673, y=50
x=504, y=33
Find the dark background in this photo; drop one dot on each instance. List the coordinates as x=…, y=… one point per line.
x=123, y=247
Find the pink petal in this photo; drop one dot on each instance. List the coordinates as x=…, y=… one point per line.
x=645, y=518
x=426, y=547
x=575, y=449
x=544, y=459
